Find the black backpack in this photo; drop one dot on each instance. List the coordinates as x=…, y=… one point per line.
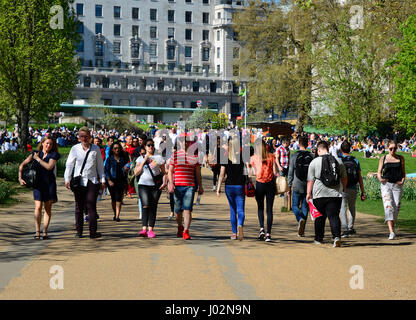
x=330, y=172
x=303, y=159
x=352, y=170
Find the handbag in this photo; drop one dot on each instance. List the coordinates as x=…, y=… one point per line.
x=281, y=185
x=76, y=182
x=250, y=189
x=158, y=180
x=29, y=174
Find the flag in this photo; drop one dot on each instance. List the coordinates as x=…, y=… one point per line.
x=242, y=93
x=314, y=212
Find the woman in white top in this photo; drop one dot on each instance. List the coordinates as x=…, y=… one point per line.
x=151, y=175
x=92, y=179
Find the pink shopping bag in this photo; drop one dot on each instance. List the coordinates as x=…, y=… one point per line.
x=314, y=212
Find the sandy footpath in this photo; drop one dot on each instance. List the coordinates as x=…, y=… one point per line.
x=210, y=266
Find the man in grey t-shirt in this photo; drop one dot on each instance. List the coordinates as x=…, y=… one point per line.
x=326, y=199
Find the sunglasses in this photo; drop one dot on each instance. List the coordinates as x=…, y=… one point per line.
x=117, y=148
x=150, y=145
x=393, y=149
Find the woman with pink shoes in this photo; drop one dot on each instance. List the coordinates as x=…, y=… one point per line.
x=151, y=176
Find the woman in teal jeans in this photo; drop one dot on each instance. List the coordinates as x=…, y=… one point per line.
x=235, y=170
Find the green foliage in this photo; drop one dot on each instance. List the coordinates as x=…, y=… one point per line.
x=372, y=189
x=6, y=191
x=120, y=123
x=37, y=66
x=9, y=171
x=405, y=76
x=13, y=156
x=203, y=118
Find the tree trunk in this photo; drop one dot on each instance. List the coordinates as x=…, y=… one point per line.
x=23, y=127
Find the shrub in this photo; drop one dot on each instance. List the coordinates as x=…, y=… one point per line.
x=372, y=189
x=10, y=172
x=13, y=156
x=6, y=191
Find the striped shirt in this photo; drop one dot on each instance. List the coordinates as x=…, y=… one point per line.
x=184, y=168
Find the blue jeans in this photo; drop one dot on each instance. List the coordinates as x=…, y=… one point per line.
x=299, y=199
x=236, y=199
x=184, y=198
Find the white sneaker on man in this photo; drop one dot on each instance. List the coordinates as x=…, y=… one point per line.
x=392, y=236
x=337, y=242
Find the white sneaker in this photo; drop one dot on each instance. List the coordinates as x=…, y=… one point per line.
x=392, y=236
x=214, y=188
x=337, y=242
x=317, y=242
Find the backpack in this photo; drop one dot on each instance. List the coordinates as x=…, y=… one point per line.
x=352, y=170
x=303, y=160
x=330, y=172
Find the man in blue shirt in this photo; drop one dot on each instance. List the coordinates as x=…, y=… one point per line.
x=349, y=197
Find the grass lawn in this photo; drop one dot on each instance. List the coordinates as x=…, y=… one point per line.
x=407, y=214
x=371, y=165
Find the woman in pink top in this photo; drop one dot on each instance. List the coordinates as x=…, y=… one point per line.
x=265, y=169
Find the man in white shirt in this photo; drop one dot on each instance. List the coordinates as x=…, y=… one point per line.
x=92, y=180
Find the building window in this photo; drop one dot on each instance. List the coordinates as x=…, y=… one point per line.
x=188, y=16
x=98, y=10
x=219, y=15
x=171, y=33
x=188, y=1
x=212, y=87
x=218, y=68
x=116, y=47
x=106, y=82
x=178, y=85
x=205, y=54
x=80, y=47
x=153, y=14
x=235, y=35
x=194, y=105
x=236, y=89
x=142, y=84
x=135, y=13
x=87, y=82
x=218, y=35
x=153, y=32
x=80, y=9
x=171, y=66
x=98, y=28
x=236, y=70
x=188, y=34
x=188, y=67
x=98, y=62
x=188, y=52
x=124, y=83
x=117, y=29
x=195, y=86
x=153, y=49
x=81, y=27
x=205, y=1
x=218, y=52
x=135, y=31
x=171, y=15
x=160, y=85
x=99, y=48
x=205, y=17
x=171, y=52
x=117, y=12
x=205, y=35
x=135, y=48
x=236, y=53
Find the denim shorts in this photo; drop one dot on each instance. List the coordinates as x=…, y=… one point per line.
x=184, y=198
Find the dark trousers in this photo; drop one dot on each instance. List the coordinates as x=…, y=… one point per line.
x=267, y=190
x=149, y=196
x=215, y=174
x=86, y=197
x=329, y=208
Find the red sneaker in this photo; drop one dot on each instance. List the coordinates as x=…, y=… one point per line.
x=186, y=235
x=180, y=232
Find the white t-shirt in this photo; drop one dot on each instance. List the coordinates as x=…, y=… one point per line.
x=155, y=163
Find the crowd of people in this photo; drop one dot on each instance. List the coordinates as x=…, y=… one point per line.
x=319, y=169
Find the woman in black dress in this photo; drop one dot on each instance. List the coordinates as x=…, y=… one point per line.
x=44, y=188
x=115, y=171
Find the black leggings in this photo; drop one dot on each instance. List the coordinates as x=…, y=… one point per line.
x=215, y=174
x=117, y=191
x=149, y=196
x=268, y=190
x=172, y=202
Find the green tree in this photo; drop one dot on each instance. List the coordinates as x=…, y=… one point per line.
x=405, y=76
x=201, y=118
x=37, y=66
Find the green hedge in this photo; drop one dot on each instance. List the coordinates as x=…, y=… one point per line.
x=13, y=156
x=6, y=191
x=10, y=172
x=372, y=189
